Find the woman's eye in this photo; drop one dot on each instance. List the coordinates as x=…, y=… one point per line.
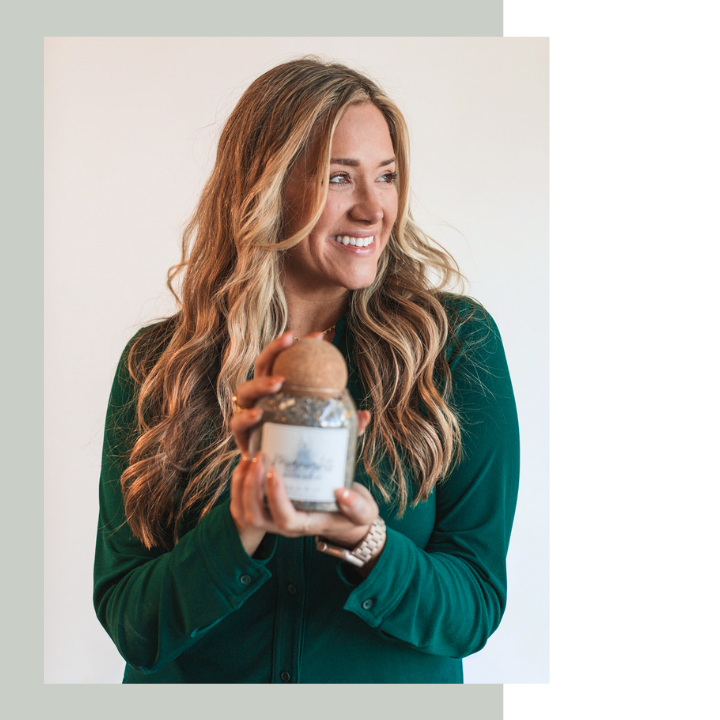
x=344, y=178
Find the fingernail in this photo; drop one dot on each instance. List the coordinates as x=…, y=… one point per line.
x=345, y=497
x=256, y=457
x=255, y=413
x=271, y=476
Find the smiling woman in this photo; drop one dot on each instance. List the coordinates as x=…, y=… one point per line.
x=204, y=570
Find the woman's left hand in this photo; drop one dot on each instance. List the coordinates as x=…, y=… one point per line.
x=358, y=509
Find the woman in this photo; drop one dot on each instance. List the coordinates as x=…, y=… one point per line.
x=304, y=228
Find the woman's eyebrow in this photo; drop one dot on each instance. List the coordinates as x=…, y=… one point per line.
x=356, y=163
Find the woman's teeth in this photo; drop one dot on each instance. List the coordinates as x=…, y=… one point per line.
x=358, y=242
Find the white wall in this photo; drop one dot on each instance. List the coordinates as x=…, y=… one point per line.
x=131, y=129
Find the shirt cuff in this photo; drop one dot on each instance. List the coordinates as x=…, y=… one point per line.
x=381, y=591
x=236, y=573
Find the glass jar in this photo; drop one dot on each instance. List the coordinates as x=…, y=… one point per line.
x=309, y=436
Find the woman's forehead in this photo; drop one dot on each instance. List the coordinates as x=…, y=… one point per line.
x=362, y=130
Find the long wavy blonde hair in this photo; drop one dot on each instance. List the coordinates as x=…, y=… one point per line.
x=232, y=305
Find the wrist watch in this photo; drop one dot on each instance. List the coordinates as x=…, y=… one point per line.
x=361, y=554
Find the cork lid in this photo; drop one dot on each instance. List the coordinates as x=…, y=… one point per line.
x=311, y=367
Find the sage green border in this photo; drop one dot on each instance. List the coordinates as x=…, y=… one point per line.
x=281, y=18
x=22, y=360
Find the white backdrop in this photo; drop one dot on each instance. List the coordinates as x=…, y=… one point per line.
x=131, y=129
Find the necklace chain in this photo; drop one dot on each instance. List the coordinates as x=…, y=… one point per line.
x=324, y=332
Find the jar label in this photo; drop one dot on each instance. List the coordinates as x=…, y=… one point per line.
x=311, y=461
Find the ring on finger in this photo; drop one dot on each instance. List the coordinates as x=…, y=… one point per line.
x=236, y=408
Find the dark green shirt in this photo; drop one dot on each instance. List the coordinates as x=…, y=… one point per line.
x=206, y=612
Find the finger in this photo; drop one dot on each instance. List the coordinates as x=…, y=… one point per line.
x=253, y=491
x=357, y=506
x=363, y=491
x=265, y=360
x=248, y=393
x=241, y=423
x=236, y=489
x=363, y=421
x=288, y=520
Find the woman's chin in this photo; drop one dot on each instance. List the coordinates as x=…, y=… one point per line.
x=350, y=278
x=358, y=282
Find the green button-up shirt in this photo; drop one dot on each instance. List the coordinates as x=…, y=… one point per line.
x=206, y=612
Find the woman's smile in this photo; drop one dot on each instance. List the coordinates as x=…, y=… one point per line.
x=357, y=244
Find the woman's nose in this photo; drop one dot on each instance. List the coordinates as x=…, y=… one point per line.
x=367, y=207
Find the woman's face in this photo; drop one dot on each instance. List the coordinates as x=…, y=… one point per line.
x=343, y=248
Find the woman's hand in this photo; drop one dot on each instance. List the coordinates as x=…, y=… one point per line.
x=263, y=383
x=251, y=482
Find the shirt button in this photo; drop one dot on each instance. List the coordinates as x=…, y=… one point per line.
x=245, y=579
x=367, y=604
x=292, y=589
x=285, y=676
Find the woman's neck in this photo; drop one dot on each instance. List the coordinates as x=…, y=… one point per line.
x=315, y=311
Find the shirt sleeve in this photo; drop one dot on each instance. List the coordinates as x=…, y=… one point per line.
x=448, y=598
x=154, y=603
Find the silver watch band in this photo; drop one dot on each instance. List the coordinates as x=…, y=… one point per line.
x=360, y=555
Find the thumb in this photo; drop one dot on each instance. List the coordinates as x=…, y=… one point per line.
x=357, y=506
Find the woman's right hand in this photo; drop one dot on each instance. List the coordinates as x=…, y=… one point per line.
x=246, y=395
